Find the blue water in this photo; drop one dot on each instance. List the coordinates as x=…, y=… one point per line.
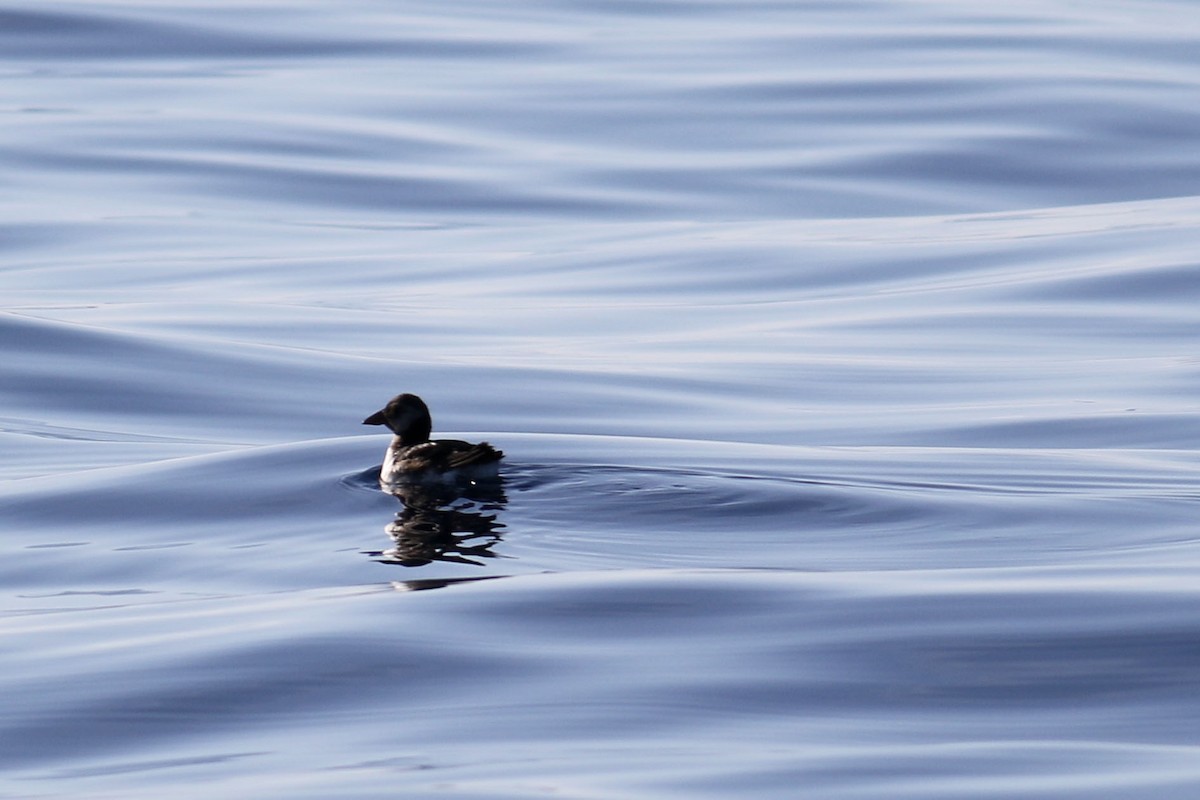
x=844, y=356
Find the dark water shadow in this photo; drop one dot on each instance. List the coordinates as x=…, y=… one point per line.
x=422, y=584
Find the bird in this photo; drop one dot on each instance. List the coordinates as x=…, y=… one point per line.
x=413, y=457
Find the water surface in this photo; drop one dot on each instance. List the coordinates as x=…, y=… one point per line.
x=843, y=356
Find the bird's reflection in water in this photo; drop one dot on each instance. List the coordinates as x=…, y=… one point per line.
x=456, y=524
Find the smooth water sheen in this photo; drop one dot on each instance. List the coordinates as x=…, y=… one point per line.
x=843, y=355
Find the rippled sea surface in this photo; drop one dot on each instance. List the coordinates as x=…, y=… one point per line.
x=844, y=356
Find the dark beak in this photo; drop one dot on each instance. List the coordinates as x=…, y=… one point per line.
x=375, y=419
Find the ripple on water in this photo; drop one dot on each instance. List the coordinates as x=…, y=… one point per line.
x=264, y=517
x=229, y=229
x=852, y=681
